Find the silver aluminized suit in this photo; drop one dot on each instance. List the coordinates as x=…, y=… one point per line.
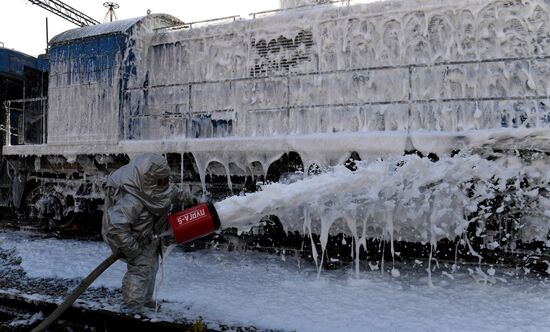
x=135, y=211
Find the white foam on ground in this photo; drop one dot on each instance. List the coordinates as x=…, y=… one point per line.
x=263, y=290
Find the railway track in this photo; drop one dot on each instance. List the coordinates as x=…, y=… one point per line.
x=22, y=298
x=26, y=301
x=20, y=313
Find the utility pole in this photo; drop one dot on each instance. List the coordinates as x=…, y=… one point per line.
x=111, y=15
x=47, y=35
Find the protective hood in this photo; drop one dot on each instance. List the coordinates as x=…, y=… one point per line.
x=140, y=179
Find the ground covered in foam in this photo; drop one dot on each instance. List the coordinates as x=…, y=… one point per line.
x=285, y=293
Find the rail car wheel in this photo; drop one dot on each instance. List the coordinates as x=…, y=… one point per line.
x=47, y=204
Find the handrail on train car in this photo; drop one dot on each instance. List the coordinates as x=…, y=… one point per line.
x=190, y=25
x=238, y=17
x=7, y=128
x=344, y=2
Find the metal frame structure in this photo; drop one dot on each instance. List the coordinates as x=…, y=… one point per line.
x=65, y=11
x=8, y=108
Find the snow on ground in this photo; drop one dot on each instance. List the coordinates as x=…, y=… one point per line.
x=268, y=292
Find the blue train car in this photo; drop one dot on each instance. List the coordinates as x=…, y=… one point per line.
x=13, y=63
x=22, y=77
x=72, y=94
x=18, y=73
x=91, y=67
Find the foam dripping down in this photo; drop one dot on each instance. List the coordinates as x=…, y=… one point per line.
x=402, y=198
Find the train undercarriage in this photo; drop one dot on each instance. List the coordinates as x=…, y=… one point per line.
x=52, y=195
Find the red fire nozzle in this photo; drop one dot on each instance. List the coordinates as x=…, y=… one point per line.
x=195, y=222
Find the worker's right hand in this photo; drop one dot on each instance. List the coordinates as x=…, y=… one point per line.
x=130, y=254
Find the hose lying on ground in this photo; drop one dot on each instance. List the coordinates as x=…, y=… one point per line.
x=54, y=316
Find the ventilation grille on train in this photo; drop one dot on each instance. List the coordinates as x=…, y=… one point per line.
x=280, y=54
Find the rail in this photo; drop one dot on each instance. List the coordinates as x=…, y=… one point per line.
x=80, y=316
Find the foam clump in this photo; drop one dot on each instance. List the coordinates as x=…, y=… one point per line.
x=404, y=198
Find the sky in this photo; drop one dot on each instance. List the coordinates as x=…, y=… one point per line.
x=23, y=25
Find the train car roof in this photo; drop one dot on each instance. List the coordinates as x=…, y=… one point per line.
x=116, y=27
x=13, y=62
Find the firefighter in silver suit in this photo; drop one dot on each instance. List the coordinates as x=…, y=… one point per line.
x=138, y=197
